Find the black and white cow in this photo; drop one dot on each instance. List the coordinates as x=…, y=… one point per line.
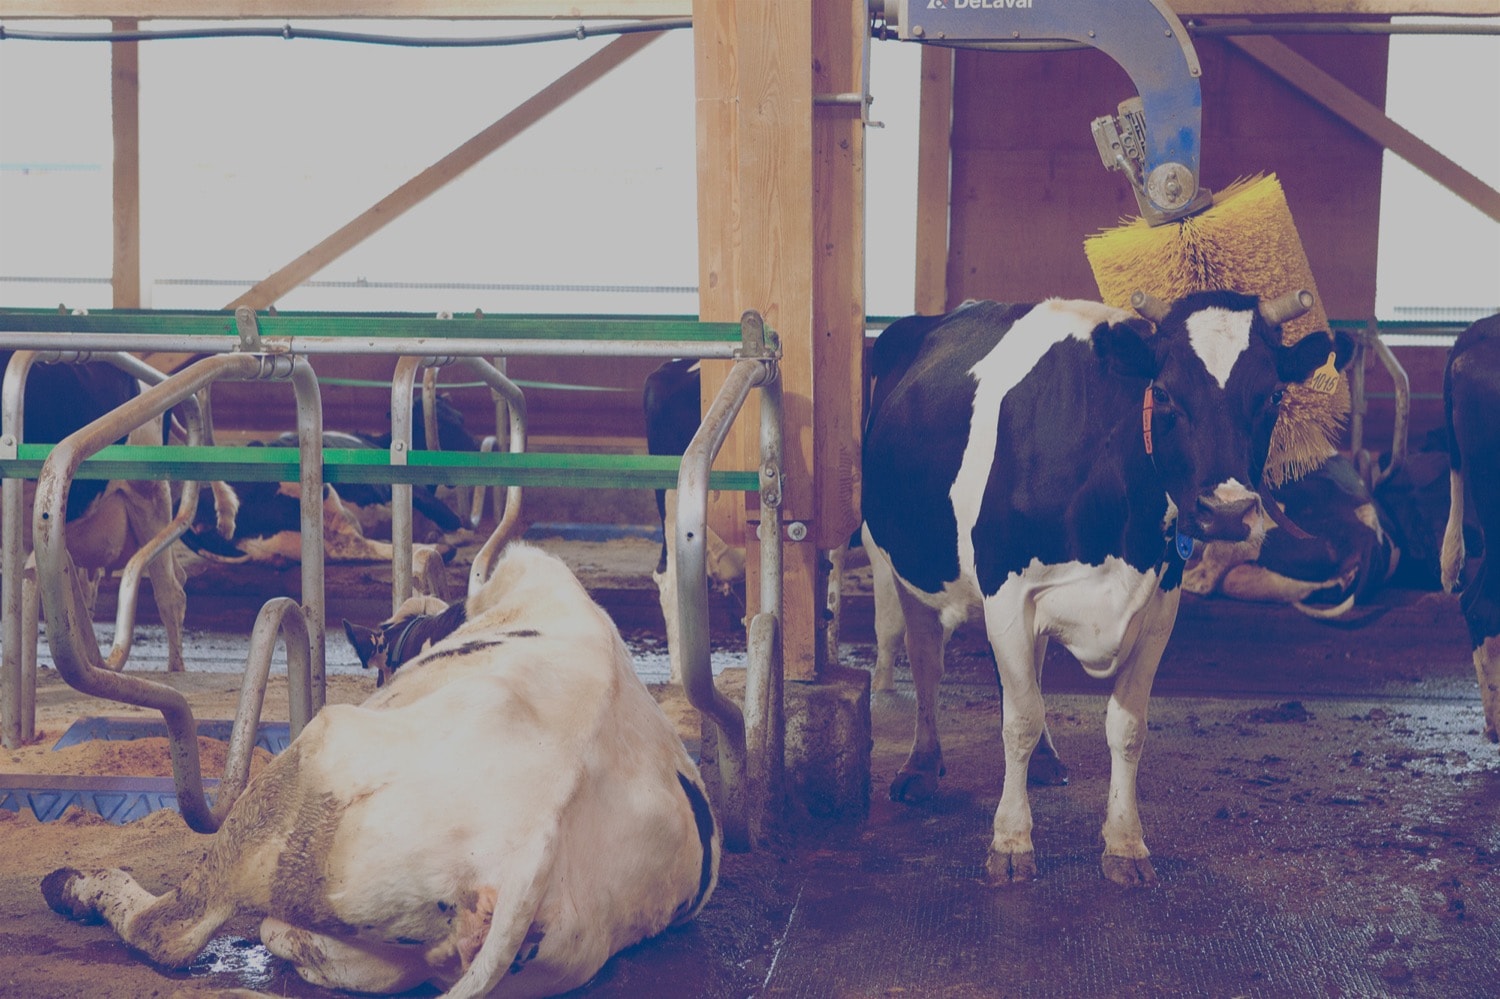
x=1471, y=400
x=108, y=522
x=1339, y=556
x=1050, y=464
x=509, y=812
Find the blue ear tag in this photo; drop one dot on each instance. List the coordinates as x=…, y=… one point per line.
x=1184, y=546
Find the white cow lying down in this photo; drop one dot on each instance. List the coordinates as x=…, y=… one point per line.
x=499, y=820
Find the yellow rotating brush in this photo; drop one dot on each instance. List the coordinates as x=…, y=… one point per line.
x=1246, y=242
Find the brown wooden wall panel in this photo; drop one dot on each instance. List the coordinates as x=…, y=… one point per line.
x=1028, y=186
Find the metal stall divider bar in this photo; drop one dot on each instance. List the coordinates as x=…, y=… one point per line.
x=249, y=345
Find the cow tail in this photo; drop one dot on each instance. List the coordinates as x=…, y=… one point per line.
x=510, y=925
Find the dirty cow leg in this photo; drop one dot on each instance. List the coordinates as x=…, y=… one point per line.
x=336, y=964
x=1044, y=768
x=1126, y=859
x=170, y=929
x=1012, y=857
x=1487, y=666
x=148, y=509
x=917, y=779
x=890, y=623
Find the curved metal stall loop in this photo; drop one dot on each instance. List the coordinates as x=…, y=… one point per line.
x=509, y=397
x=19, y=599
x=187, y=509
x=402, y=385
x=742, y=794
x=70, y=633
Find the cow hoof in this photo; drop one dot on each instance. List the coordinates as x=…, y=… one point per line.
x=1132, y=872
x=57, y=889
x=1010, y=868
x=1046, y=770
x=912, y=786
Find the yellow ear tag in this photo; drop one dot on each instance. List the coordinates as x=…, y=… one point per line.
x=1325, y=379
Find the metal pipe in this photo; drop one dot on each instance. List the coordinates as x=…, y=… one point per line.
x=692, y=593
x=765, y=726
x=17, y=683
x=509, y=395
x=186, y=343
x=70, y=633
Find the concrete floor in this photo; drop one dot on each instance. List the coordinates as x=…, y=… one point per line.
x=1322, y=808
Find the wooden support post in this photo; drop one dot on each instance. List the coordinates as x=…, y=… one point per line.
x=934, y=176
x=781, y=207
x=125, y=106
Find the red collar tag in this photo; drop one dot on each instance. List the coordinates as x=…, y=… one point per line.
x=1146, y=410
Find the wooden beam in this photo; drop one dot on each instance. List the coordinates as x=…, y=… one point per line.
x=393, y=205
x=230, y=10
x=838, y=293
x=934, y=177
x=1369, y=119
x=125, y=107
x=322, y=10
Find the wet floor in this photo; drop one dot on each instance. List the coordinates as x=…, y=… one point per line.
x=1321, y=806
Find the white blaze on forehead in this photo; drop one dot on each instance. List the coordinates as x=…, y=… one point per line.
x=1219, y=337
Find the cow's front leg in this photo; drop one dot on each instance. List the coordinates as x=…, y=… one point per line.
x=917, y=780
x=1012, y=857
x=1126, y=860
x=170, y=929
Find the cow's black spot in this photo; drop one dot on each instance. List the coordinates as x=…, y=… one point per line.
x=462, y=650
x=529, y=947
x=703, y=816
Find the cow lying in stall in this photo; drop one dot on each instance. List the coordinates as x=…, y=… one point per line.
x=108, y=522
x=1048, y=464
x=1343, y=561
x=1471, y=401
x=261, y=521
x=507, y=814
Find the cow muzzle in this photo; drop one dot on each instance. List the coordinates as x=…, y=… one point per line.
x=1229, y=513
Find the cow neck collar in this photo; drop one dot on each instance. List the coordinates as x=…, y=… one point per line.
x=394, y=656
x=1175, y=539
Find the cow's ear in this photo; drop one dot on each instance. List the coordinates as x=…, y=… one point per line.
x=1298, y=362
x=1123, y=347
x=366, y=641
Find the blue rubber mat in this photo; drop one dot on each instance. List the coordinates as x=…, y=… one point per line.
x=118, y=799
x=270, y=736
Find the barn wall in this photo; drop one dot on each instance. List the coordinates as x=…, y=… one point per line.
x=1028, y=186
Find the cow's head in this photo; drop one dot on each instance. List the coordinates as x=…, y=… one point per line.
x=1215, y=369
x=415, y=626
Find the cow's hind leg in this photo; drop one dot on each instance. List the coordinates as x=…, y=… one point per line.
x=1126, y=859
x=890, y=623
x=169, y=929
x=1018, y=653
x=1045, y=768
x=917, y=780
x=337, y=964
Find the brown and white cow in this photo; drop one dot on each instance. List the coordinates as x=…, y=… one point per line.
x=509, y=812
x=108, y=522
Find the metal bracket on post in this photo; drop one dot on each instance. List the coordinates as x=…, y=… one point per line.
x=1157, y=138
x=248, y=329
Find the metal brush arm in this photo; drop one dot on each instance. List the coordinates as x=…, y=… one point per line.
x=1144, y=36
